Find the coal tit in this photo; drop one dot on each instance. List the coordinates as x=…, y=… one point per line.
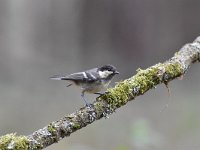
x=91, y=81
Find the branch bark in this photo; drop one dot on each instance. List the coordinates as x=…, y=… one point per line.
x=107, y=103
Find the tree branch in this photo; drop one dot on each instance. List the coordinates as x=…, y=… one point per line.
x=107, y=103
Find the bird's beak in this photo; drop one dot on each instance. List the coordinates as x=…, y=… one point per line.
x=116, y=72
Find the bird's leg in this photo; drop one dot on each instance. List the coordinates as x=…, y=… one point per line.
x=83, y=97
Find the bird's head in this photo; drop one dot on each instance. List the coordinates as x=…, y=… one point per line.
x=107, y=71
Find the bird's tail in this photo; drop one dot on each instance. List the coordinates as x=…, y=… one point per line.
x=58, y=77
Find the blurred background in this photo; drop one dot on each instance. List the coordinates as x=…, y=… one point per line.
x=39, y=39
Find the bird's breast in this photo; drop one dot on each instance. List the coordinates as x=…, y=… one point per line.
x=95, y=87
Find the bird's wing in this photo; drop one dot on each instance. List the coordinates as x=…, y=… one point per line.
x=89, y=75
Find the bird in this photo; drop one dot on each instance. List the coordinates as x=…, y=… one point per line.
x=90, y=81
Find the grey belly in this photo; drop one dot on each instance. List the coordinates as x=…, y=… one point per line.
x=94, y=87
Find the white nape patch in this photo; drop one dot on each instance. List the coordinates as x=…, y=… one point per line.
x=85, y=75
x=105, y=74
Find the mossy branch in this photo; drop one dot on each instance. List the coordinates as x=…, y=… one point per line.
x=107, y=103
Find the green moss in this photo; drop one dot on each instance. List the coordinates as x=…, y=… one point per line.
x=140, y=83
x=76, y=126
x=36, y=147
x=51, y=128
x=132, y=87
x=98, y=106
x=11, y=141
x=119, y=95
x=174, y=70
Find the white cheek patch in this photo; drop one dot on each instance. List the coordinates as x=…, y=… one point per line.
x=105, y=74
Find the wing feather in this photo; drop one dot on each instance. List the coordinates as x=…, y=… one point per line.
x=89, y=75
